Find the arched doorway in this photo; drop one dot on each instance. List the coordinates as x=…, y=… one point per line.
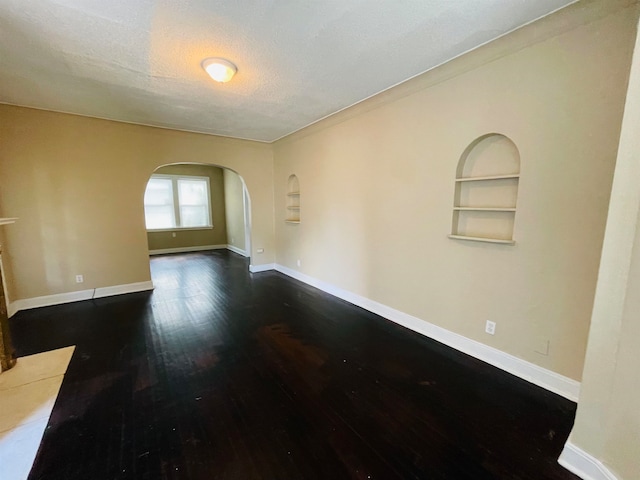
x=195, y=207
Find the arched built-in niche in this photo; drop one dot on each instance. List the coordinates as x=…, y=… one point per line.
x=293, y=200
x=486, y=191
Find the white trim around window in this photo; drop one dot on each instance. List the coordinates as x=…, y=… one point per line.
x=177, y=202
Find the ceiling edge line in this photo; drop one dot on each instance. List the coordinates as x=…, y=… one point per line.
x=265, y=142
x=509, y=32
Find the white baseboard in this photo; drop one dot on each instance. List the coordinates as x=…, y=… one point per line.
x=11, y=309
x=60, y=298
x=48, y=300
x=262, y=268
x=583, y=464
x=237, y=250
x=186, y=249
x=542, y=377
x=122, y=289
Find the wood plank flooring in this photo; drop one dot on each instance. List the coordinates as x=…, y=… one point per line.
x=223, y=374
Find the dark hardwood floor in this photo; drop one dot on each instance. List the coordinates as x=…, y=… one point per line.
x=222, y=374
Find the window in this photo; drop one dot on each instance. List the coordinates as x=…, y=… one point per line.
x=173, y=201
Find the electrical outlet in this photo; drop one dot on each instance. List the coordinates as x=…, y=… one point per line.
x=260, y=250
x=298, y=262
x=79, y=278
x=173, y=234
x=490, y=327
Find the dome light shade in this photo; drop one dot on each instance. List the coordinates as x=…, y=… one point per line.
x=219, y=69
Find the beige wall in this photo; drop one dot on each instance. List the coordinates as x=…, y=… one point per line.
x=233, y=193
x=377, y=187
x=78, y=183
x=200, y=237
x=607, y=423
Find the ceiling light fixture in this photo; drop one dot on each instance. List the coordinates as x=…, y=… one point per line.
x=219, y=69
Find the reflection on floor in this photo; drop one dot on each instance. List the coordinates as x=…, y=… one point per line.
x=27, y=395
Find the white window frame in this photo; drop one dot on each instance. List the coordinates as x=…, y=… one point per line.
x=176, y=201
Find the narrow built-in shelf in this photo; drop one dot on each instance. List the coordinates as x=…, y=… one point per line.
x=7, y=221
x=293, y=200
x=491, y=177
x=483, y=239
x=292, y=215
x=484, y=209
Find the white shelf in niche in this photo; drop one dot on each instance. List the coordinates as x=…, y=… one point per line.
x=483, y=239
x=7, y=221
x=490, y=177
x=292, y=221
x=293, y=208
x=484, y=209
x=293, y=194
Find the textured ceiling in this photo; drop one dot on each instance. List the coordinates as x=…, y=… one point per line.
x=298, y=60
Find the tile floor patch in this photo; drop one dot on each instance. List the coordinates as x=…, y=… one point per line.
x=37, y=367
x=27, y=395
x=27, y=403
x=18, y=449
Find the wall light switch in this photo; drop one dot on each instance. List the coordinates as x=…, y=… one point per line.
x=298, y=262
x=173, y=234
x=260, y=250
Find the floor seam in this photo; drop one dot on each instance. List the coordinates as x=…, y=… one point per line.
x=32, y=382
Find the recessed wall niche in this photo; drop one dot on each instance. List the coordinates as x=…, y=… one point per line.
x=293, y=200
x=486, y=191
